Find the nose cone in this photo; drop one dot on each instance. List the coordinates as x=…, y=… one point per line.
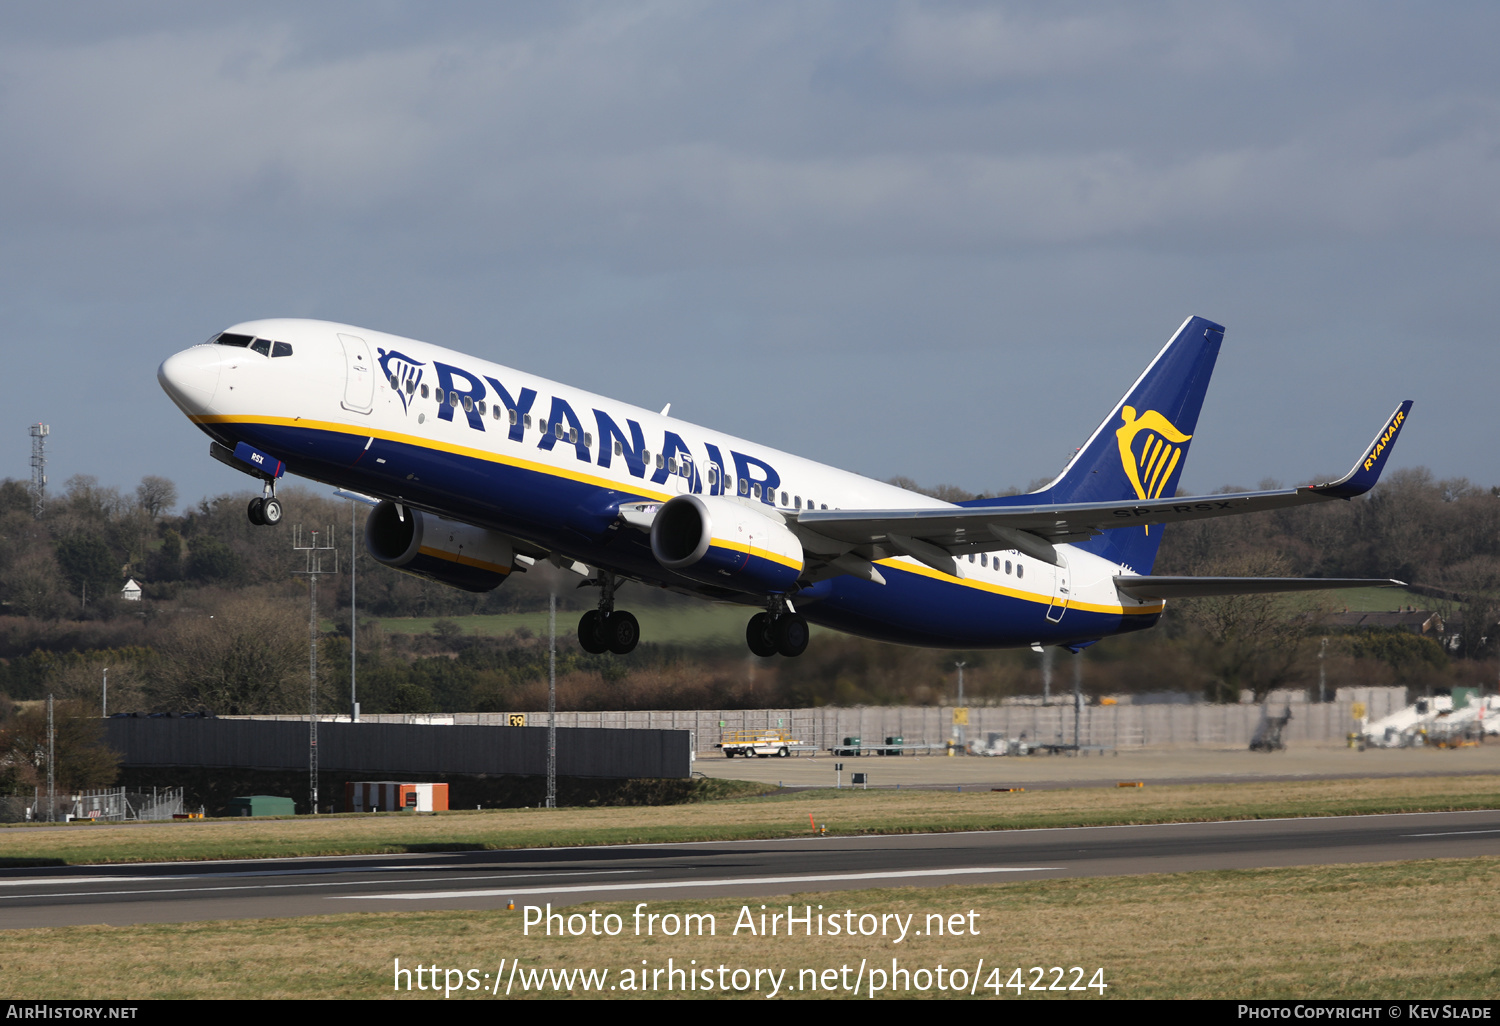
x=191, y=378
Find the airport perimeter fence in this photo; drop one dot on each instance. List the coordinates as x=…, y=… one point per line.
x=1102, y=726
x=114, y=803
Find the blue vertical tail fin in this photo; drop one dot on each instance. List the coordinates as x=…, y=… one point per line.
x=1139, y=450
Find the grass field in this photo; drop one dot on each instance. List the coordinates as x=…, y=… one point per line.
x=1384, y=931
x=843, y=812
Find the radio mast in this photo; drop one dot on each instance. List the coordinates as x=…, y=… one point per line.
x=39, y=433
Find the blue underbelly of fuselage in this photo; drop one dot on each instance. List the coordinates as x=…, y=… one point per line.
x=580, y=519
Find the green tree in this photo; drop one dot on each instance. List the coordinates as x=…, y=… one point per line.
x=212, y=561
x=89, y=568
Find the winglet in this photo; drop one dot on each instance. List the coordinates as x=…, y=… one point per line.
x=1362, y=477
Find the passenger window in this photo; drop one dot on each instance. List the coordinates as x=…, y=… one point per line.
x=453, y=398
x=984, y=559
x=527, y=425
x=281, y=349
x=512, y=417
x=755, y=491
x=394, y=382
x=424, y=391
x=588, y=440
x=557, y=430
x=783, y=499
x=262, y=346
x=619, y=448
x=411, y=386
x=1007, y=566
x=468, y=403
x=573, y=435
x=713, y=474
x=671, y=466
x=495, y=412
x=825, y=505
x=797, y=501
x=480, y=404
x=1020, y=570
x=744, y=487
x=659, y=463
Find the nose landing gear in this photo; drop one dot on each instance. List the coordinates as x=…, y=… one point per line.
x=265, y=511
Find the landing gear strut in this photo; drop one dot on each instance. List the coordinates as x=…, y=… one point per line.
x=605, y=629
x=778, y=631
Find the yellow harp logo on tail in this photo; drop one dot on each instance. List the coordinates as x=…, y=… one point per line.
x=1150, y=448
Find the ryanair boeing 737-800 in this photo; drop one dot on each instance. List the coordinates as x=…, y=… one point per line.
x=476, y=471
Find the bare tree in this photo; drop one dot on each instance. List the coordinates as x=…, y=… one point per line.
x=83, y=758
x=156, y=496
x=1249, y=642
x=249, y=656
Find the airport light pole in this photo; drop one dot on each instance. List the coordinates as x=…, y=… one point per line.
x=958, y=728
x=552, y=701
x=51, y=763
x=1322, y=672
x=312, y=572
x=353, y=622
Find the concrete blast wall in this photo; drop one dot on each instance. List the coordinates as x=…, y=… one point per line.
x=401, y=749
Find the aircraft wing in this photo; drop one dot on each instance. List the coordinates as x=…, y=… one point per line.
x=934, y=536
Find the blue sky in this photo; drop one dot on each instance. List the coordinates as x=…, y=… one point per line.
x=936, y=240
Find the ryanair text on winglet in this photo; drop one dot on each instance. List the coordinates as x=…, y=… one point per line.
x=1385, y=438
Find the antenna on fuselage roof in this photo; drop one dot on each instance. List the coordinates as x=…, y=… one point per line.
x=666, y=409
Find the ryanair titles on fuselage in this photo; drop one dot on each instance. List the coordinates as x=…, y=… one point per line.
x=459, y=391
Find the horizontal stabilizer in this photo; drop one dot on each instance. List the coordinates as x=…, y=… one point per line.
x=1206, y=587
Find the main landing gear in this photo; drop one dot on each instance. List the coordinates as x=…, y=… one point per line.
x=606, y=629
x=266, y=510
x=778, y=631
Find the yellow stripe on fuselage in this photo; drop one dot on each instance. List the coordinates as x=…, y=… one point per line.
x=604, y=482
x=440, y=446
x=1025, y=596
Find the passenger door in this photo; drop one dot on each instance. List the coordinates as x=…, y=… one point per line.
x=359, y=381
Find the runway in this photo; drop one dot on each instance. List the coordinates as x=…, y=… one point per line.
x=189, y=892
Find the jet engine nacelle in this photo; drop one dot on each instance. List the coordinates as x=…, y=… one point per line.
x=719, y=541
x=447, y=551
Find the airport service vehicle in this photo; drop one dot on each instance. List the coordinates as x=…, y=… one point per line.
x=476, y=470
x=758, y=743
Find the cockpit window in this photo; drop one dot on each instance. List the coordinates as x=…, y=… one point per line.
x=262, y=346
x=281, y=349
x=226, y=339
